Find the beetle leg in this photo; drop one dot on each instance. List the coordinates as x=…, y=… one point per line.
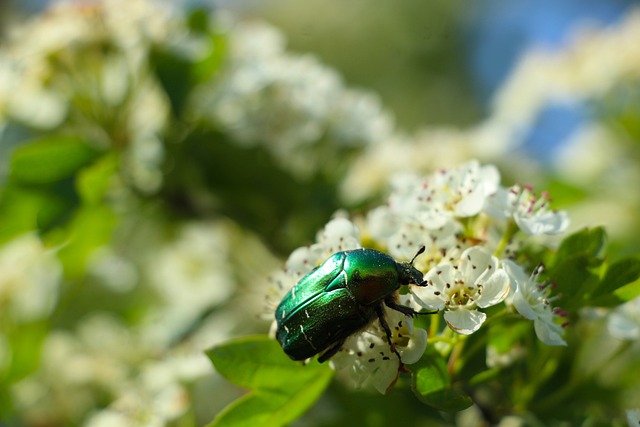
x=407, y=311
x=387, y=330
x=331, y=351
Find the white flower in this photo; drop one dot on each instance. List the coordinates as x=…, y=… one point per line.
x=531, y=299
x=455, y=192
x=29, y=280
x=403, y=235
x=423, y=211
x=624, y=321
x=474, y=281
x=340, y=234
x=463, y=190
x=367, y=358
x=531, y=214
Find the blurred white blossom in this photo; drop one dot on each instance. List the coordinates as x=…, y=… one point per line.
x=113, y=271
x=191, y=274
x=107, y=358
x=597, y=160
x=624, y=321
x=158, y=395
x=29, y=280
x=568, y=75
x=84, y=66
x=294, y=106
x=532, y=300
x=78, y=368
x=633, y=417
x=496, y=358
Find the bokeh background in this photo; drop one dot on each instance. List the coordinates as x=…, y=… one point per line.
x=159, y=160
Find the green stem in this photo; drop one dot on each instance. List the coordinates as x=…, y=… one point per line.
x=434, y=326
x=455, y=356
x=509, y=232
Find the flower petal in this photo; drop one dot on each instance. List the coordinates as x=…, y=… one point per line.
x=548, y=332
x=471, y=204
x=523, y=306
x=417, y=345
x=546, y=223
x=494, y=290
x=386, y=375
x=475, y=261
x=498, y=205
x=464, y=322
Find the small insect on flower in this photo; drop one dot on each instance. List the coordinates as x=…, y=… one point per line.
x=339, y=298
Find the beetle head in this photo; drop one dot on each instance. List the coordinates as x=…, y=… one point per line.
x=408, y=273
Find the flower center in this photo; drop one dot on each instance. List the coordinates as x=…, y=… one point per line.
x=401, y=335
x=461, y=294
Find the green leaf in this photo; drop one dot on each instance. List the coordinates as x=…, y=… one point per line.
x=25, y=344
x=432, y=385
x=93, y=182
x=431, y=378
x=198, y=20
x=283, y=389
x=628, y=292
x=621, y=283
x=589, y=243
x=270, y=409
x=50, y=159
x=209, y=64
x=90, y=229
x=253, y=409
x=620, y=273
x=174, y=71
x=258, y=362
x=20, y=210
x=574, y=281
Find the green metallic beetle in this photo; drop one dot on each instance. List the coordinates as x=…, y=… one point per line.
x=339, y=298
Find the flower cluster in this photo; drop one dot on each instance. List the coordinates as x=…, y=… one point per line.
x=294, y=106
x=571, y=74
x=456, y=215
x=84, y=68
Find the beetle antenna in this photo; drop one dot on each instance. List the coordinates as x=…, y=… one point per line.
x=421, y=250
